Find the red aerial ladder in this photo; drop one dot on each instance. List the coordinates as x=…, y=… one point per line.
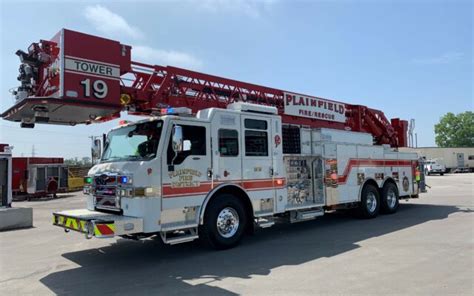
x=77, y=78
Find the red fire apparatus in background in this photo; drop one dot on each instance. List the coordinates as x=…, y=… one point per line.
x=39, y=176
x=216, y=156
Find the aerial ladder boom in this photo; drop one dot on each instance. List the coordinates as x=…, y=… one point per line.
x=76, y=78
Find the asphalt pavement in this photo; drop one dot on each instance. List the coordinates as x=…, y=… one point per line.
x=427, y=248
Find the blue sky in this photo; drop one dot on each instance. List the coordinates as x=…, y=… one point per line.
x=411, y=59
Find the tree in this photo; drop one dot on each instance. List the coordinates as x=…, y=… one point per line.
x=85, y=161
x=455, y=130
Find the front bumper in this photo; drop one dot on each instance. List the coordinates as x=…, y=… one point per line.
x=97, y=224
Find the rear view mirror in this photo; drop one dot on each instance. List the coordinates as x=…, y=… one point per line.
x=96, y=149
x=177, y=138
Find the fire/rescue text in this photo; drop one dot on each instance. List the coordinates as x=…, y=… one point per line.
x=312, y=107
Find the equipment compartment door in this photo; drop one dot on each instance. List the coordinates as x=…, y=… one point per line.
x=318, y=181
x=63, y=179
x=41, y=179
x=305, y=180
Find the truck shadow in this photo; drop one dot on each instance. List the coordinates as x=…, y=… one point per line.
x=150, y=267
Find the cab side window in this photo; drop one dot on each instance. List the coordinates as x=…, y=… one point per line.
x=256, y=137
x=228, y=142
x=197, y=136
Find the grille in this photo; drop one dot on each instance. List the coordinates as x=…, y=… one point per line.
x=105, y=192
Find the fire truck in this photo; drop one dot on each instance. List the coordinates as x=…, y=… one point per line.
x=215, y=157
x=38, y=176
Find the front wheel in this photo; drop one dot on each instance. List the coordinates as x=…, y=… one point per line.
x=369, y=202
x=224, y=222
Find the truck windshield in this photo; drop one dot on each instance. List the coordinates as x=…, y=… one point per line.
x=133, y=143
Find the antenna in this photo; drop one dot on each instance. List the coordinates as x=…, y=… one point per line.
x=411, y=127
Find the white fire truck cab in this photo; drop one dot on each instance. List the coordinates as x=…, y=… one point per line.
x=218, y=173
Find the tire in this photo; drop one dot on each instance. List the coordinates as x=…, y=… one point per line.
x=441, y=174
x=369, y=202
x=227, y=211
x=390, y=198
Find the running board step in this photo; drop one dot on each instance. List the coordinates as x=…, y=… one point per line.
x=265, y=222
x=299, y=216
x=179, y=237
x=180, y=240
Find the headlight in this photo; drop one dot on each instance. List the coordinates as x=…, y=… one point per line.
x=125, y=179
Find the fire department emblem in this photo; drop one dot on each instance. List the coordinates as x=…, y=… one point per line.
x=405, y=184
x=277, y=140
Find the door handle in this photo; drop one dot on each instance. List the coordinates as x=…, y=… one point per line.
x=196, y=158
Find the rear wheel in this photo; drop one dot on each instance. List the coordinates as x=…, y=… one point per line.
x=370, y=202
x=224, y=222
x=389, y=201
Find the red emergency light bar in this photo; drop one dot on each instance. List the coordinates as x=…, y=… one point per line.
x=76, y=78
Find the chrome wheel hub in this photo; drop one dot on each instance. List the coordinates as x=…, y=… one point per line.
x=227, y=222
x=371, y=202
x=391, y=198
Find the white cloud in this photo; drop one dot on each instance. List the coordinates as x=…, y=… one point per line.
x=250, y=8
x=165, y=57
x=445, y=58
x=110, y=23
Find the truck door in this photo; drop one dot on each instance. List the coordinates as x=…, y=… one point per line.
x=227, y=148
x=186, y=173
x=460, y=157
x=257, y=160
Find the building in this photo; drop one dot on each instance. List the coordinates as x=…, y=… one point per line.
x=452, y=158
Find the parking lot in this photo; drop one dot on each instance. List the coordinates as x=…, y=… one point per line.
x=426, y=248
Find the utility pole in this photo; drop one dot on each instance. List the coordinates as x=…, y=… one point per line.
x=33, y=151
x=416, y=140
